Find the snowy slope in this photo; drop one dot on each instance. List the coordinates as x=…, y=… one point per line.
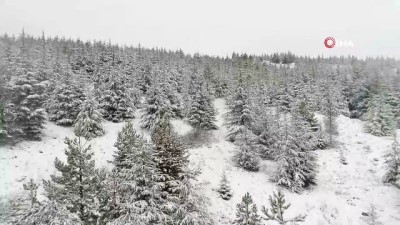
x=343, y=191
x=342, y=194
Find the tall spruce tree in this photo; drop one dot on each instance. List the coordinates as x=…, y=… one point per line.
x=24, y=115
x=239, y=118
x=201, y=113
x=191, y=204
x=246, y=156
x=2, y=129
x=170, y=154
x=392, y=160
x=75, y=187
x=330, y=108
x=380, y=119
x=156, y=102
x=116, y=100
x=136, y=175
x=316, y=134
x=296, y=164
x=65, y=101
x=88, y=122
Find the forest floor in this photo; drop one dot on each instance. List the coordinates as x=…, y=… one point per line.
x=348, y=181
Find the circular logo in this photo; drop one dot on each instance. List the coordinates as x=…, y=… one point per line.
x=329, y=42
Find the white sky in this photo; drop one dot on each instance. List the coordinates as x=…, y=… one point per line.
x=216, y=27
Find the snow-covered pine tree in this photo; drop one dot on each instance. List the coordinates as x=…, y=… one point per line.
x=21, y=207
x=145, y=77
x=284, y=98
x=393, y=100
x=296, y=164
x=116, y=100
x=246, y=156
x=65, y=101
x=128, y=142
x=239, y=118
x=191, y=206
x=380, y=119
x=24, y=114
x=330, y=108
x=170, y=154
x=171, y=93
x=393, y=164
x=278, y=207
x=75, y=187
x=32, y=188
x=316, y=137
x=156, y=102
x=89, y=119
x=224, y=189
x=137, y=172
x=201, y=113
x=2, y=129
x=246, y=212
x=50, y=212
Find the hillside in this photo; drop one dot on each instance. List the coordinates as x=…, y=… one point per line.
x=342, y=194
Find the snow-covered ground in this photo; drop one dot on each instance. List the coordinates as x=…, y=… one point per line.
x=342, y=194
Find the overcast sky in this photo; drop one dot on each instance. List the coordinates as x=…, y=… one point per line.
x=216, y=27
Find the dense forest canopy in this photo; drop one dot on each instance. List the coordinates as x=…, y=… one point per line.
x=272, y=99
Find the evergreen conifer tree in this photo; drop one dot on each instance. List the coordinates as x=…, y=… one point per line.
x=296, y=164
x=201, y=113
x=278, y=208
x=155, y=103
x=2, y=129
x=136, y=174
x=246, y=212
x=191, y=204
x=224, y=189
x=170, y=154
x=393, y=164
x=75, y=187
x=330, y=108
x=247, y=156
x=65, y=101
x=50, y=212
x=380, y=119
x=88, y=122
x=239, y=118
x=116, y=100
x=24, y=114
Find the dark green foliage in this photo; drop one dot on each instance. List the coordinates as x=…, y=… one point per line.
x=170, y=153
x=275, y=58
